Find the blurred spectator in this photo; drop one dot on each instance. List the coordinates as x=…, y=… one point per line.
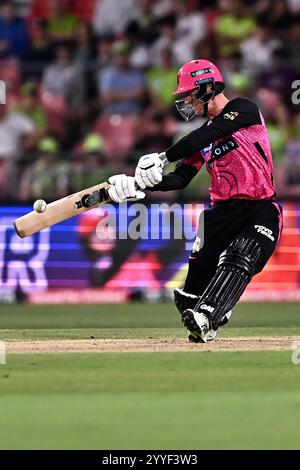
x=233, y=26
x=103, y=51
x=278, y=140
x=113, y=16
x=62, y=78
x=121, y=87
x=23, y=7
x=294, y=6
x=88, y=166
x=276, y=115
x=145, y=22
x=10, y=74
x=62, y=25
x=64, y=95
x=240, y=83
x=257, y=51
x=17, y=133
x=84, y=52
x=85, y=59
x=166, y=39
x=162, y=7
x=257, y=7
x=29, y=105
x=161, y=80
x=139, y=50
x=278, y=17
x=190, y=30
x=47, y=177
x=13, y=31
x=293, y=45
x=279, y=76
x=39, y=51
x=180, y=31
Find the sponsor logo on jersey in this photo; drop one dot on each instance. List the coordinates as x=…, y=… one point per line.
x=222, y=149
x=231, y=115
x=207, y=149
x=207, y=307
x=264, y=231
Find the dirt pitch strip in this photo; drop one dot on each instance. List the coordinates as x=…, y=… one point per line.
x=262, y=343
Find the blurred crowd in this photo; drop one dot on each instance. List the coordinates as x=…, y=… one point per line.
x=89, y=85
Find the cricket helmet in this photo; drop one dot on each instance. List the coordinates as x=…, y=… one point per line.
x=192, y=80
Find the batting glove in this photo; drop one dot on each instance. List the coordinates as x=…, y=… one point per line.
x=123, y=189
x=149, y=171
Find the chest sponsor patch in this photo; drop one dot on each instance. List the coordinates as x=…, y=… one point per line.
x=222, y=149
x=265, y=231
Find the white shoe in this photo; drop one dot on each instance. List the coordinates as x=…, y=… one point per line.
x=198, y=325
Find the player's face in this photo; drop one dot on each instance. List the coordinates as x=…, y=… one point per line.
x=193, y=103
x=196, y=103
x=189, y=106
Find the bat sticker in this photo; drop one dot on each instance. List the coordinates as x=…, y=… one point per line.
x=91, y=200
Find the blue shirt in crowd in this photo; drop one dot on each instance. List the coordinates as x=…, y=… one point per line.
x=15, y=34
x=111, y=80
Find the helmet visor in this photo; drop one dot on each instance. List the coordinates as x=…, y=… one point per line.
x=190, y=103
x=187, y=110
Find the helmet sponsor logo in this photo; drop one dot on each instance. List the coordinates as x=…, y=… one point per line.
x=201, y=72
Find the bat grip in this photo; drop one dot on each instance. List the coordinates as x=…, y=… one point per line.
x=164, y=159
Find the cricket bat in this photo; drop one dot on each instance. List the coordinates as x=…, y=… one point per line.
x=65, y=208
x=62, y=209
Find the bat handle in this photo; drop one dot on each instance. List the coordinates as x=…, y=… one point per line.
x=164, y=159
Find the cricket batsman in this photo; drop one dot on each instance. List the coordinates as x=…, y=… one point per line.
x=243, y=223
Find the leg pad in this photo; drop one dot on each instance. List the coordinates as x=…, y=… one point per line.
x=235, y=270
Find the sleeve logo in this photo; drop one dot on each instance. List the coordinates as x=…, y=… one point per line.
x=232, y=115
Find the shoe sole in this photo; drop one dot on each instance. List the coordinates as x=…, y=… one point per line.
x=189, y=322
x=195, y=339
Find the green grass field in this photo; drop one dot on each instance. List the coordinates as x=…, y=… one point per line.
x=159, y=400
